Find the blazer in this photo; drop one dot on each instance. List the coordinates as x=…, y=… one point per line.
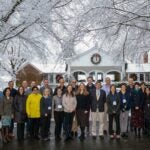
x=98, y=104
x=110, y=103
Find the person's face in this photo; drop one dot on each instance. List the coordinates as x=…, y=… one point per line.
x=107, y=81
x=90, y=80
x=130, y=81
x=33, y=84
x=98, y=85
x=35, y=91
x=21, y=90
x=82, y=87
x=61, y=82
x=143, y=86
x=137, y=87
x=46, y=82
x=7, y=92
x=113, y=89
x=73, y=83
x=46, y=92
x=59, y=92
x=25, y=84
x=123, y=87
x=11, y=85
x=69, y=89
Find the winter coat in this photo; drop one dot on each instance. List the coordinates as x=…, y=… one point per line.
x=33, y=105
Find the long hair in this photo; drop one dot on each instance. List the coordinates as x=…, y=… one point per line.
x=19, y=89
x=85, y=92
x=113, y=85
x=67, y=93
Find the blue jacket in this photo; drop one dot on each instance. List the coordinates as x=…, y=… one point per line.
x=125, y=106
x=45, y=106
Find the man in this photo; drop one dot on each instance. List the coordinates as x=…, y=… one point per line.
x=90, y=87
x=130, y=90
x=97, y=109
x=29, y=90
x=61, y=85
x=46, y=85
x=106, y=88
x=25, y=86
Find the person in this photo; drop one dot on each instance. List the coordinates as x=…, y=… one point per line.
x=58, y=113
x=46, y=85
x=13, y=93
x=137, y=116
x=125, y=106
x=97, y=109
x=147, y=111
x=29, y=90
x=25, y=86
x=46, y=111
x=61, y=85
x=82, y=97
x=20, y=112
x=6, y=113
x=69, y=104
x=33, y=112
x=143, y=93
x=74, y=129
x=113, y=105
x=106, y=88
x=90, y=87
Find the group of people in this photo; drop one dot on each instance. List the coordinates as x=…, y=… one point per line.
x=116, y=111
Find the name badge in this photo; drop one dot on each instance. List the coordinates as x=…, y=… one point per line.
x=49, y=108
x=114, y=103
x=59, y=106
x=124, y=101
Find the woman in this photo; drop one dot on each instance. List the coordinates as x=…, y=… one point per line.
x=6, y=109
x=58, y=113
x=69, y=104
x=82, y=108
x=46, y=110
x=33, y=112
x=20, y=112
x=125, y=105
x=113, y=104
x=137, y=110
x=147, y=111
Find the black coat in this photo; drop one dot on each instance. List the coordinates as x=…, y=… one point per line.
x=20, y=108
x=98, y=104
x=111, y=107
x=82, y=102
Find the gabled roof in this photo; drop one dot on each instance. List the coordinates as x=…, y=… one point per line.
x=46, y=68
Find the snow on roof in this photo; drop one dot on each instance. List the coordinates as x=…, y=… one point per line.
x=50, y=68
x=138, y=68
